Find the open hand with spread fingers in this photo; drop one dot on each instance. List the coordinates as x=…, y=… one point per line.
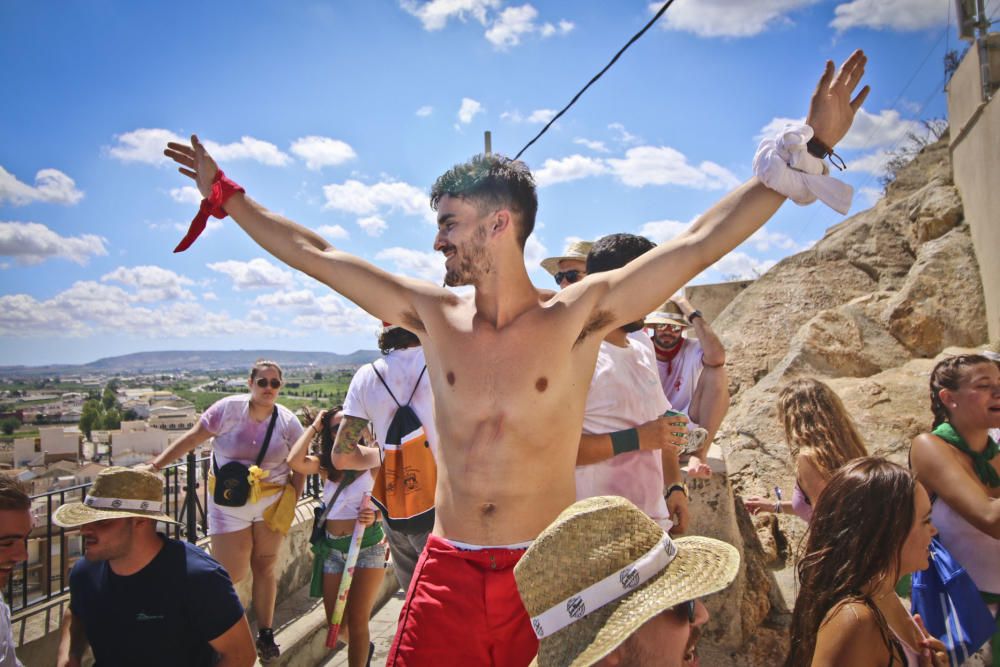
x=195, y=163
x=831, y=110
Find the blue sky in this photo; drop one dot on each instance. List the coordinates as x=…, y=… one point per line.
x=341, y=114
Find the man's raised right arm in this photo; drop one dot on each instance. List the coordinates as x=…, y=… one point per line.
x=386, y=296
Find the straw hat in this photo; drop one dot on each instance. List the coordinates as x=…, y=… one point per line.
x=992, y=350
x=117, y=492
x=575, y=250
x=606, y=538
x=667, y=313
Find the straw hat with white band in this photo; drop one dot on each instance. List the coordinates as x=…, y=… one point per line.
x=603, y=569
x=667, y=313
x=117, y=493
x=576, y=250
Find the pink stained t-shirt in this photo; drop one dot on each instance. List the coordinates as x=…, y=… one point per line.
x=625, y=392
x=238, y=437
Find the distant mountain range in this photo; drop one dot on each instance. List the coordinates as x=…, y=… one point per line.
x=193, y=360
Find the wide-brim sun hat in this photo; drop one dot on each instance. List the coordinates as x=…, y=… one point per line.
x=667, y=313
x=576, y=250
x=117, y=493
x=609, y=540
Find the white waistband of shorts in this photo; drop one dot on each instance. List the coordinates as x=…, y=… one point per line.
x=464, y=546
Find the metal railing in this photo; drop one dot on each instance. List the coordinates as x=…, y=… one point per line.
x=186, y=500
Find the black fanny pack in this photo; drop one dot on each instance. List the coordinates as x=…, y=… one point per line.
x=232, y=481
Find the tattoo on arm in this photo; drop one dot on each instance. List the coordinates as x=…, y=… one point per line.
x=347, y=437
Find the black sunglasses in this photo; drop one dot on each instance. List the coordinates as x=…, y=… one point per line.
x=263, y=382
x=685, y=609
x=572, y=276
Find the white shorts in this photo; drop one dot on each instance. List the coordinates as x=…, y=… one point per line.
x=230, y=519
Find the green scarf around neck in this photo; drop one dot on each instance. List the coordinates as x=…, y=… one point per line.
x=980, y=460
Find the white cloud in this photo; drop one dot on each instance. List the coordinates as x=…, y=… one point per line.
x=596, y=146
x=468, y=110
x=571, y=168
x=764, y=239
x=662, y=165
x=661, y=231
x=355, y=197
x=624, y=136
x=538, y=116
x=873, y=163
x=868, y=130
x=51, y=186
x=534, y=253
x=415, y=263
x=287, y=299
x=333, y=232
x=728, y=18
x=152, y=283
x=330, y=313
x=741, y=266
x=512, y=23
x=33, y=242
x=319, y=152
x=436, y=13
x=186, y=195
x=905, y=15
x=249, y=148
x=425, y=111
x=869, y=196
x=209, y=296
x=372, y=225
x=146, y=145
x=90, y=308
x=256, y=274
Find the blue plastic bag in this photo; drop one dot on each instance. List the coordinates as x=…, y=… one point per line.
x=950, y=605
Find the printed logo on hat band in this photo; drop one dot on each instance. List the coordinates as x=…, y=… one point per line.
x=123, y=504
x=607, y=590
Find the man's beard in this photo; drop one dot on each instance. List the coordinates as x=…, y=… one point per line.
x=473, y=262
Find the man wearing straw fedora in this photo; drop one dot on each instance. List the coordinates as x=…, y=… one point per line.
x=139, y=597
x=605, y=585
x=571, y=266
x=692, y=372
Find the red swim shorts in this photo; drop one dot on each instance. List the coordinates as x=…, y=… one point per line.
x=463, y=608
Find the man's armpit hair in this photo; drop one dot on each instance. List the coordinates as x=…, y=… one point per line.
x=598, y=321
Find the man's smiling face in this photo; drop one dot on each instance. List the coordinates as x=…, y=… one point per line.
x=14, y=528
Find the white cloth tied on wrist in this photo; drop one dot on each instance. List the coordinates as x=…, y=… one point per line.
x=783, y=164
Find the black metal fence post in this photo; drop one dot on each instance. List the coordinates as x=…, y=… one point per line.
x=191, y=497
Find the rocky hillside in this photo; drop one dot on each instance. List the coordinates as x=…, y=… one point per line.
x=866, y=309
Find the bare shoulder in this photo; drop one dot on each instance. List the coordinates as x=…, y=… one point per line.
x=928, y=452
x=849, y=635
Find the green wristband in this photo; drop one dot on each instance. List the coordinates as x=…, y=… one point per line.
x=625, y=441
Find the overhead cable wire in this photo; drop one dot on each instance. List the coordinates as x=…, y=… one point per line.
x=635, y=37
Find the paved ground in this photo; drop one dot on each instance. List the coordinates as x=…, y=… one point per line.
x=382, y=628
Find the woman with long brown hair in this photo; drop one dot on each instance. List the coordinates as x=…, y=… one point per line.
x=340, y=520
x=821, y=436
x=958, y=463
x=871, y=526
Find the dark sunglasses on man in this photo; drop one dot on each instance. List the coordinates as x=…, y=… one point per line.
x=263, y=382
x=672, y=328
x=571, y=276
x=685, y=610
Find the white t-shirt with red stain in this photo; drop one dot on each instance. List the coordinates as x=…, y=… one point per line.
x=625, y=392
x=680, y=376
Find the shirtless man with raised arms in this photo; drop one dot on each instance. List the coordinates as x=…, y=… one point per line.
x=509, y=368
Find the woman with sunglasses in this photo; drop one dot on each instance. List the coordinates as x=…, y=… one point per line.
x=246, y=539
x=821, y=436
x=958, y=463
x=871, y=526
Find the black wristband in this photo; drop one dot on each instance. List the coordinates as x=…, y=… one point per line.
x=694, y=314
x=625, y=441
x=818, y=149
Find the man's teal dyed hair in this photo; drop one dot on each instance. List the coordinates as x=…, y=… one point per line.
x=491, y=182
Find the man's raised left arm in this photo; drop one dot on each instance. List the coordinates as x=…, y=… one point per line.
x=635, y=290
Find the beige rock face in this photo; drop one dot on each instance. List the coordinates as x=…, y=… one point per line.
x=867, y=310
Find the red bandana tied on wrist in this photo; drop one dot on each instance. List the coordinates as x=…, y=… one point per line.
x=222, y=190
